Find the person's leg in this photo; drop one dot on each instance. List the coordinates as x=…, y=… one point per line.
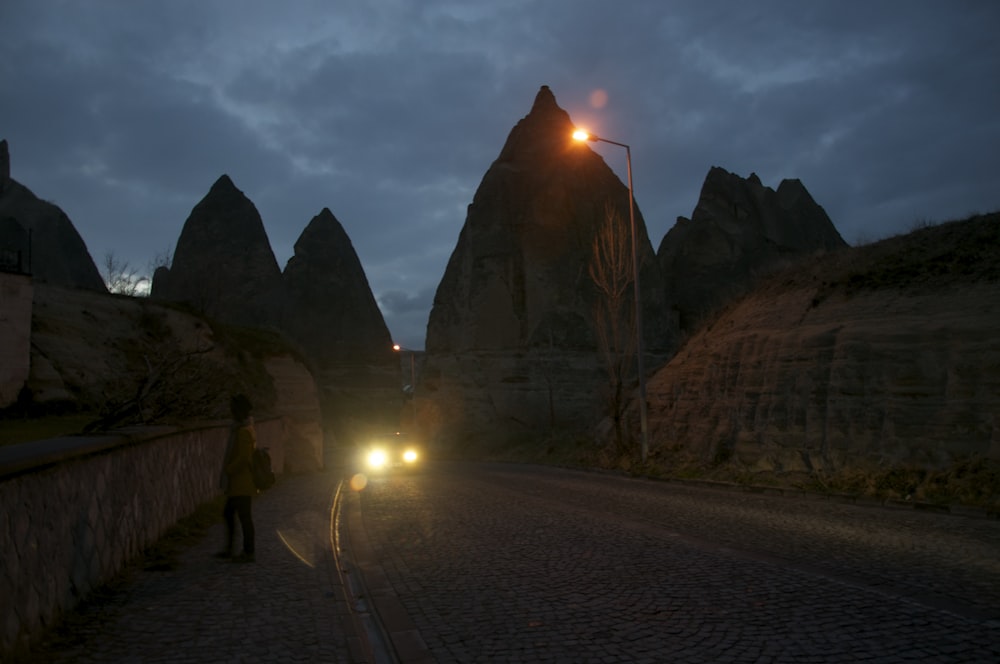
x=246, y=523
x=229, y=516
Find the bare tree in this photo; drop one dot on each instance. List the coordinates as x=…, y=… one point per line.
x=611, y=271
x=163, y=259
x=121, y=278
x=172, y=381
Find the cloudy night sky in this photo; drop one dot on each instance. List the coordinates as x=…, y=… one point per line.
x=389, y=112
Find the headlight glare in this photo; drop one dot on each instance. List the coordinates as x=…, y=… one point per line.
x=377, y=459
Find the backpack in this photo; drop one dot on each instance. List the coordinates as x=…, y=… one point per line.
x=260, y=468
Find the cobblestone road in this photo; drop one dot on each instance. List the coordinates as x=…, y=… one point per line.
x=493, y=563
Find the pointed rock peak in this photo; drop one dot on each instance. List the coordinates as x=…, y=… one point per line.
x=323, y=243
x=792, y=187
x=546, y=110
x=719, y=178
x=223, y=185
x=717, y=173
x=323, y=225
x=326, y=216
x=544, y=101
x=545, y=129
x=792, y=193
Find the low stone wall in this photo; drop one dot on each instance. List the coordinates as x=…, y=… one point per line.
x=74, y=511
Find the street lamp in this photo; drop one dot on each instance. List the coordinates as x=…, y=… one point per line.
x=413, y=381
x=581, y=135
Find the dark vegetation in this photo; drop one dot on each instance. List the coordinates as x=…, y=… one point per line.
x=931, y=257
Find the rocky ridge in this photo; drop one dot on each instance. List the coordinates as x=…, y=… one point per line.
x=739, y=230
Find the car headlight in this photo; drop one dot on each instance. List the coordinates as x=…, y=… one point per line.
x=410, y=456
x=377, y=459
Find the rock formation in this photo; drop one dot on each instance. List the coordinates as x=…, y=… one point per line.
x=883, y=356
x=511, y=338
x=57, y=253
x=739, y=229
x=328, y=306
x=223, y=264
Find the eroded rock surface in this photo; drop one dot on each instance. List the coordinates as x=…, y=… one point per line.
x=874, y=357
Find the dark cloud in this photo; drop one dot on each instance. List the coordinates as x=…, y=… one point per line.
x=390, y=112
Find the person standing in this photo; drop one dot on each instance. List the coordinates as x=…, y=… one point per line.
x=237, y=480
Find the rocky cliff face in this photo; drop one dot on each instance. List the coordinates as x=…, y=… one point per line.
x=881, y=356
x=739, y=230
x=511, y=338
x=223, y=264
x=58, y=253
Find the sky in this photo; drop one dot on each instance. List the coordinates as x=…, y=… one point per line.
x=390, y=112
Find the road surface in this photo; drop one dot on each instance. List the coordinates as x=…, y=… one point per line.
x=509, y=563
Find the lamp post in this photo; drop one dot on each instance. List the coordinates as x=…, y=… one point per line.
x=581, y=135
x=413, y=381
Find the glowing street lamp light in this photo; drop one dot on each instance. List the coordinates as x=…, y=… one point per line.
x=581, y=135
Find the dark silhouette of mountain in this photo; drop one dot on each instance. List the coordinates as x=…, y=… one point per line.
x=518, y=276
x=739, y=229
x=512, y=338
x=223, y=264
x=41, y=230
x=328, y=307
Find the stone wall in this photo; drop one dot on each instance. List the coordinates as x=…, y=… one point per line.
x=15, y=334
x=75, y=511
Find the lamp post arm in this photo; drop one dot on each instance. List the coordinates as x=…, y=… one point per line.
x=604, y=140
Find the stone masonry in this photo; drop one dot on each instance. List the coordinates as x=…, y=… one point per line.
x=75, y=511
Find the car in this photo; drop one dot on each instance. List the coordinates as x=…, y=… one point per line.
x=395, y=451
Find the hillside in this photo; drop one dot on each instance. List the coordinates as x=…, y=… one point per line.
x=869, y=362
x=132, y=361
